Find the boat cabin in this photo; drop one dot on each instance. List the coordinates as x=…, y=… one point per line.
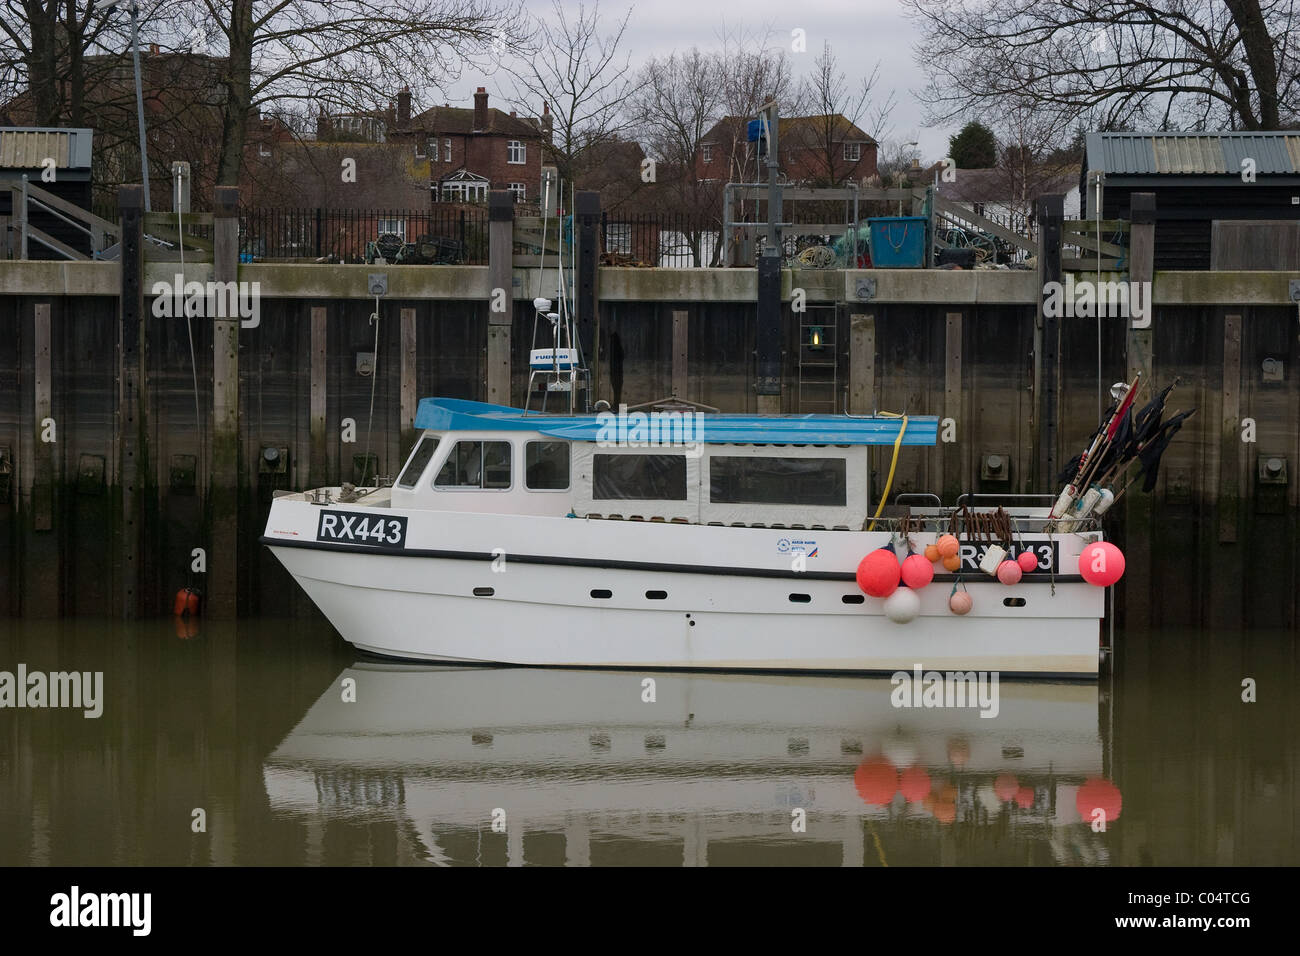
x=805, y=471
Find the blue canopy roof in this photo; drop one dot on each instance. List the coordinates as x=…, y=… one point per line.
x=456, y=414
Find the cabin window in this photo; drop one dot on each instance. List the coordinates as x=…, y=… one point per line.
x=476, y=464
x=638, y=477
x=778, y=481
x=546, y=465
x=410, y=475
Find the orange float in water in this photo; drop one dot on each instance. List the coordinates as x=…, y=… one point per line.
x=187, y=628
x=948, y=545
x=945, y=812
x=914, y=784
x=1025, y=798
x=876, y=781
x=186, y=603
x=1006, y=786
x=1098, y=794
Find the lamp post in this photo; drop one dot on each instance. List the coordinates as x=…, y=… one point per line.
x=139, y=104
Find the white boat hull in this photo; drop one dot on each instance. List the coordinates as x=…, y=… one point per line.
x=535, y=577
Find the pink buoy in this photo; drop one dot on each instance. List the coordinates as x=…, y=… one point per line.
x=1009, y=572
x=1027, y=560
x=960, y=602
x=879, y=573
x=1101, y=564
x=917, y=572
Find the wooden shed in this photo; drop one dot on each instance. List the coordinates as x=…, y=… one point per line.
x=1200, y=179
x=55, y=162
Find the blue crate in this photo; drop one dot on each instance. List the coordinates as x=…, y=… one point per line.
x=898, y=242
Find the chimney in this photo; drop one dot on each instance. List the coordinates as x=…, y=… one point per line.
x=480, y=109
x=322, y=126
x=546, y=121
x=153, y=49
x=404, y=106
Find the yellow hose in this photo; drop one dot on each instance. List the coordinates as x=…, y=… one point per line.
x=889, y=482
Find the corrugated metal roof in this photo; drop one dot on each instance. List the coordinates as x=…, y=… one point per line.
x=29, y=147
x=1190, y=154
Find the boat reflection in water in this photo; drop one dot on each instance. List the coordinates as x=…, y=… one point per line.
x=509, y=766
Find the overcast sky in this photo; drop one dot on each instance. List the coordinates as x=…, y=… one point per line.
x=861, y=32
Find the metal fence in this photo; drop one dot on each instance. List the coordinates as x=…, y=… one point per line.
x=341, y=235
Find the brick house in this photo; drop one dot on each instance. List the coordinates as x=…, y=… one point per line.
x=814, y=151
x=471, y=151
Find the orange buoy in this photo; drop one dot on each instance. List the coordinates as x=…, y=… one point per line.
x=1009, y=572
x=1025, y=798
x=879, y=573
x=960, y=602
x=186, y=603
x=187, y=628
x=948, y=545
x=952, y=562
x=917, y=572
x=932, y=553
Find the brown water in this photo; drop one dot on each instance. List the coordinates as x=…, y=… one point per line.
x=476, y=766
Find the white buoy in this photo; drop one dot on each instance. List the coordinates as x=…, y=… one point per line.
x=993, y=557
x=1063, y=503
x=902, y=606
x=1106, y=499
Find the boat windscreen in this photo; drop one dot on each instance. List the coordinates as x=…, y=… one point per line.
x=419, y=460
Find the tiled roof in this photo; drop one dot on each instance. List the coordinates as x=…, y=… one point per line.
x=460, y=120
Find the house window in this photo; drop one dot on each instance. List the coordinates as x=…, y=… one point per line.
x=515, y=152
x=464, y=192
x=638, y=477
x=397, y=226
x=546, y=465
x=520, y=191
x=778, y=481
x=852, y=152
x=476, y=464
x=706, y=153
x=446, y=150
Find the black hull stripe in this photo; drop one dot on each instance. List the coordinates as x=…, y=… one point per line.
x=1037, y=578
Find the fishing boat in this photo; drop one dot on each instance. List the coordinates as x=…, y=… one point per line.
x=684, y=540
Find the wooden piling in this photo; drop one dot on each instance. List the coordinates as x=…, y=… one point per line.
x=1138, y=342
x=318, y=454
x=954, y=455
x=501, y=216
x=223, y=488
x=1050, y=211
x=681, y=354
x=409, y=392
x=131, y=423
x=862, y=363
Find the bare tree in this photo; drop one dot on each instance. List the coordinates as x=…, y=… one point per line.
x=351, y=53
x=581, y=73
x=835, y=110
x=677, y=104
x=754, y=71
x=1194, y=63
